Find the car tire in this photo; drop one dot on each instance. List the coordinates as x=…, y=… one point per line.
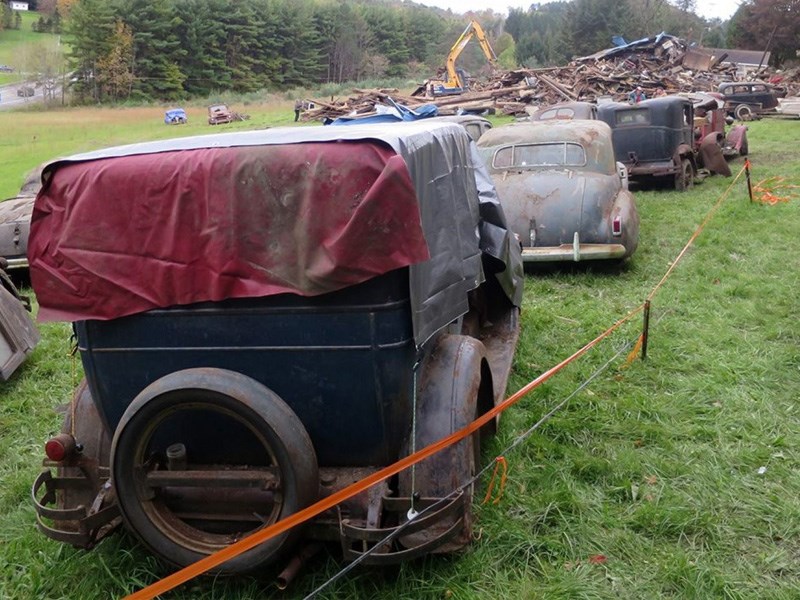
x=684, y=178
x=222, y=417
x=743, y=112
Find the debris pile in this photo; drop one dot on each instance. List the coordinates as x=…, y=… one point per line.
x=660, y=63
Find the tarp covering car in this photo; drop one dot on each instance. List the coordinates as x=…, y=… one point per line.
x=248, y=214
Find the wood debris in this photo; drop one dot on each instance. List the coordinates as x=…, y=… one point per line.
x=658, y=63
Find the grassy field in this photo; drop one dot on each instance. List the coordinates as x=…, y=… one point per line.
x=35, y=136
x=19, y=46
x=674, y=477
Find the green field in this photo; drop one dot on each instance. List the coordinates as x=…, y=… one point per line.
x=35, y=136
x=18, y=47
x=674, y=477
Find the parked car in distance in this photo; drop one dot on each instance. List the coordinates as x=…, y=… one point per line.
x=175, y=116
x=746, y=99
x=6, y=69
x=475, y=125
x=565, y=111
x=219, y=114
x=562, y=191
x=25, y=91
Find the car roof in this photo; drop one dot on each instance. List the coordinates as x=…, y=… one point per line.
x=583, y=110
x=463, y=119
x=577, y=130
x=593, y=135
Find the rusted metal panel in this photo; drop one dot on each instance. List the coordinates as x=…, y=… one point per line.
x=18, y=334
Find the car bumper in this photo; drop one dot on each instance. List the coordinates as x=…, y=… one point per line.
x=20, y=262
x=573, y=252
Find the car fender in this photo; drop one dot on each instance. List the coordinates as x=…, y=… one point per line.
x=736, y=136
x=684, y=151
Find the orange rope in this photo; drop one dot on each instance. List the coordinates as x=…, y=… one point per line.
x=767, y=191
x=500, y=460
x=697, y=232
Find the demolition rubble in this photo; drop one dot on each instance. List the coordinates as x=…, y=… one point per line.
x=662, y=63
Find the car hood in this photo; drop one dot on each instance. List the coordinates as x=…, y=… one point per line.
x=557, y=203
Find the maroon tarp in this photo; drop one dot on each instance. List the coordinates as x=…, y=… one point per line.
x=117, y=236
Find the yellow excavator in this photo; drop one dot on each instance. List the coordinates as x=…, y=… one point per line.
x=456, y=82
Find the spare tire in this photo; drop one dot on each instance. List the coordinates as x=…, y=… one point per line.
x=246, y=463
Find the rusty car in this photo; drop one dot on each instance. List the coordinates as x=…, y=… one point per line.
x=15, y=223
x=564, y=111
x=563, y=194
x=18, y=333
x=475, y=125
x=304, y=284
x=219, y=114
x=669, y=139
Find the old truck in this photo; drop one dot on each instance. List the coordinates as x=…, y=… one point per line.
x=265, y=318
x=670, y=138
x=219, y=114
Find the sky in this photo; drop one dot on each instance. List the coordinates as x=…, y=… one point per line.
x=722, y=9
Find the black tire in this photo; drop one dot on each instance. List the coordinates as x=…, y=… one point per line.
x=225, y=419
x=684, y=179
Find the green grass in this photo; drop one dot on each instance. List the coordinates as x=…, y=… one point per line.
x=33, y=136
x=646, y=485
x=18, y=47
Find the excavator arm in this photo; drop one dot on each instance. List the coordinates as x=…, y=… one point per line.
x=454, y=78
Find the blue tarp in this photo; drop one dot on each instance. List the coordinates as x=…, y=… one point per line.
x=393, y=113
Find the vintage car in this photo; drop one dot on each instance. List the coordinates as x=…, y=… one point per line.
x=563, y=194
x=747, y=99
x=654, y=139
x=565, y=111
x=15, y=223
x=219, y=114
x=25, y=91
x=668, y=139
x=175, y=116
x=475, y=125
x=266, y=318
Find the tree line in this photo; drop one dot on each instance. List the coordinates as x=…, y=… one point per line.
x=170, y=49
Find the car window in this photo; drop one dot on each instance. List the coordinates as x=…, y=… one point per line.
x=557, y=113
x=559, y=154
x=638, y=116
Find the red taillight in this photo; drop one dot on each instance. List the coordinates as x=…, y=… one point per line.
x=59, y=447
x=616, y=226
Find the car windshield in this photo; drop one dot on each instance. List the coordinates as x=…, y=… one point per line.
x=558, y=154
